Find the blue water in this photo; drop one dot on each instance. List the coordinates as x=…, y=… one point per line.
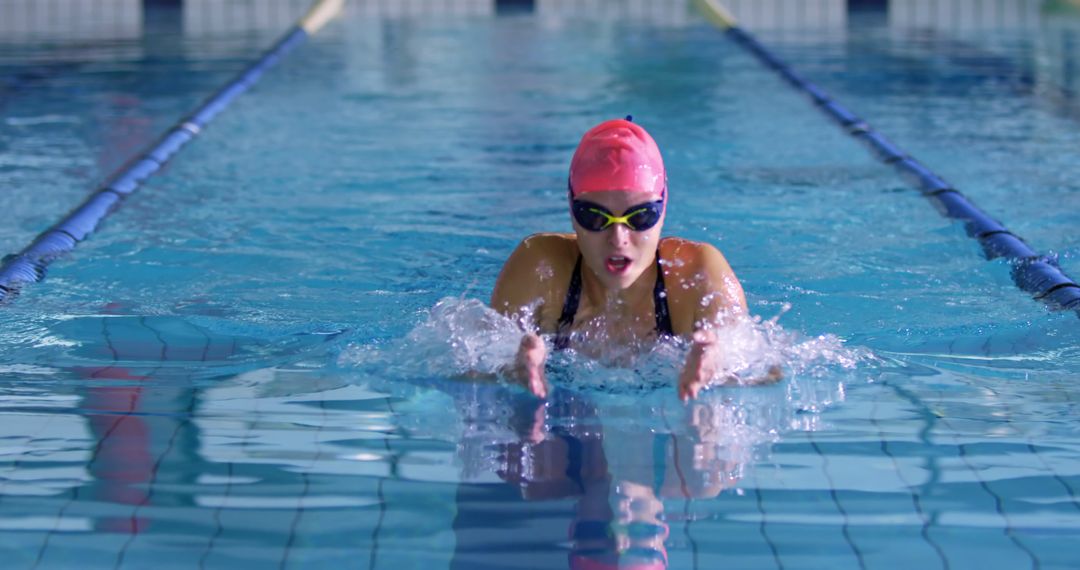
x=252, y=362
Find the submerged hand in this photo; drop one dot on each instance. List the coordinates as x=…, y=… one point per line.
x=701, y=364
x=528, y=367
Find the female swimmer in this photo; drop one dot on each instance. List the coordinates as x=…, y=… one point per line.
x=614, y=281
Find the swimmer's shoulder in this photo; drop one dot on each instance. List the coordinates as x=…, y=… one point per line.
x=553, y=253
x=700, y=283
x=538, y=271
x=683, y=257
x=551, y=246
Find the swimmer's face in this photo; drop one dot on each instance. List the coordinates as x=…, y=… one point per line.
x=618, y=255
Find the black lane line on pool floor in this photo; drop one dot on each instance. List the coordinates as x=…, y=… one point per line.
x=762, y=530
x=122, y=416
x=913, y=491
x=1032, y=272
x=845, y=525
x=185, y=421
x=29, y=265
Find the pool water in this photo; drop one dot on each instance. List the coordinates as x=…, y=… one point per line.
x=254, y=361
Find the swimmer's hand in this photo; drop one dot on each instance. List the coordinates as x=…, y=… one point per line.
x=701, y=364
x=528, y=368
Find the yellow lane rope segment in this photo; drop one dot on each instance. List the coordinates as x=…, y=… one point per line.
x=716, y=13
x=321, y=13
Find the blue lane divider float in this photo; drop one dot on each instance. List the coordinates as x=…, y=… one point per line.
x=1032, y=272
x=29, y=265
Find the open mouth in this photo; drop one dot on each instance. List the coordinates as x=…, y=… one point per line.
x=617, y=264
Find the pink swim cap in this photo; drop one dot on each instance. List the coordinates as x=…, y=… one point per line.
x=617, y=155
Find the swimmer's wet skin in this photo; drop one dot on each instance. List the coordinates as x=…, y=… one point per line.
x=604, y=285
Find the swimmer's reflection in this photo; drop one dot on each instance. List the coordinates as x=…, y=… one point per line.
x=617, y=475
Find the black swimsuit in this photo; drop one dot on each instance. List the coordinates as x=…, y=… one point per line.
x=573, y=297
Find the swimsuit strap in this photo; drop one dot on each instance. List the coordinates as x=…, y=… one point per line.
x=573, y=298
x=570, y=306
x=660, y=307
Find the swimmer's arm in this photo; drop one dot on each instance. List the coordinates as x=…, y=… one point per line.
x=527, y=369
x=519, y=292
x=703, y=367
x=721, y=302
x=721, y=297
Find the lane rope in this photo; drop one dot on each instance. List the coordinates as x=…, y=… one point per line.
x=1035, y=273
x=30, y=264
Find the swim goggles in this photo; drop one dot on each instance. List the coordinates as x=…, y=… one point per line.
x=596, y=218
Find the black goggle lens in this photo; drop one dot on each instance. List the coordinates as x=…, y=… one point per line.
x=595, y=218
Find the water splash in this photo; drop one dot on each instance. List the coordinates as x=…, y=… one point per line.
x=464, y=337
x=458, y=337
x=611, y=410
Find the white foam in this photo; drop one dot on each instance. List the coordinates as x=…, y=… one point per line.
x=465, y=336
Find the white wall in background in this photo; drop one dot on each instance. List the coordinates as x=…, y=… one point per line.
x=788, y=14
x=959, y=15
x=104, y=19
x=751, y=14
x=1058, y=48
x=419, y=8
x=205, y=17
x=70, y=20
x=668, y=12
x=209, y=17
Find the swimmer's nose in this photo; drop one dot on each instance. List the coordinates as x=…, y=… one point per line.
x=619, y=234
